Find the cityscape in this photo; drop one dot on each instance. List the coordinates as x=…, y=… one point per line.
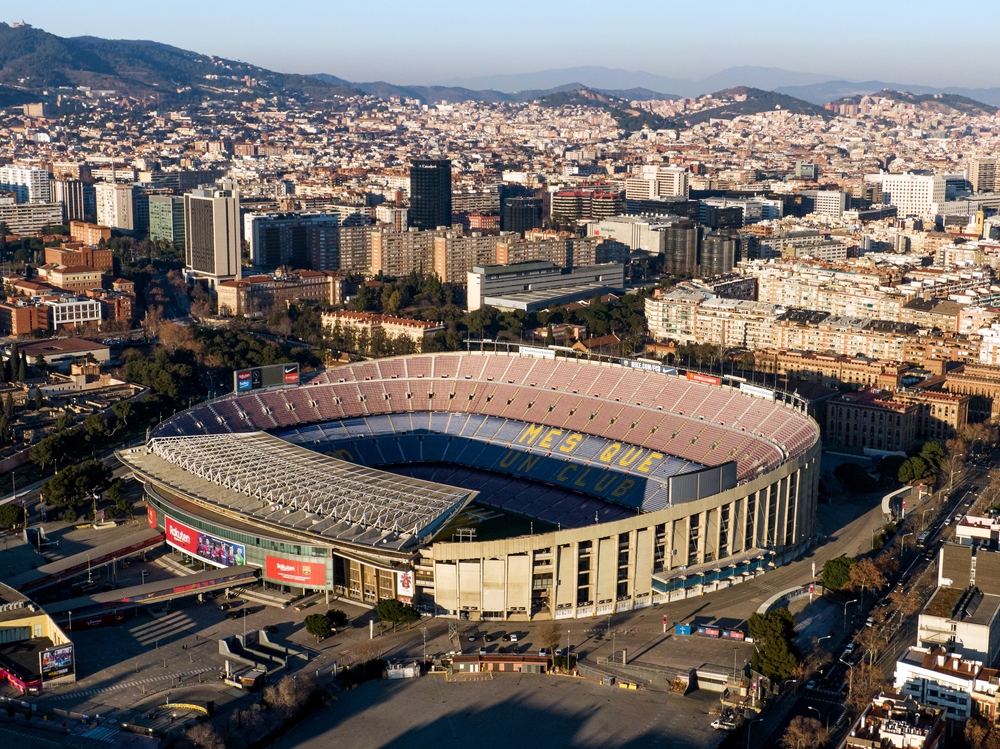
x=626, y=409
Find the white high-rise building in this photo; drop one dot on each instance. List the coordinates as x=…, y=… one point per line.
x=114, y=205
x=912, y=194
x=656, y=180
x=30, y=184
x=212, y=234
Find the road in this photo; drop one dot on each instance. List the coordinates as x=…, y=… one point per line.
x=916, y=573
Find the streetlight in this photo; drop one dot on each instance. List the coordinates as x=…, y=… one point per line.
x=853, y=600
x=735, y=650
x=818, y=714
x=902, y=542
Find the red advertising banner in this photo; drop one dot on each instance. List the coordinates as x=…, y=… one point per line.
x=151, y=516
x=707, y=379
x=296, y=573
x=180, y=536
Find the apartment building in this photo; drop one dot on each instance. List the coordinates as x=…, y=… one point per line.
x=30, y=184
x=29, y=218
x=418, y=331
x=396, y=254
x=88, y=234
x=261, y=295
x=870, y=420
x=831, y=370
x=456, y=254
x=115, y=207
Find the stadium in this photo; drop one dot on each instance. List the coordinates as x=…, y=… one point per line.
x=501, y=485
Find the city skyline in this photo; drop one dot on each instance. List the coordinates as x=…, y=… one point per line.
x=308, y=38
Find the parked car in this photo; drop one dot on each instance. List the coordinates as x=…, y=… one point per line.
x=229, y=605
x=811, y=684
x=238, y=613
x=544, y=652
x=724, y=725
x=513, y=637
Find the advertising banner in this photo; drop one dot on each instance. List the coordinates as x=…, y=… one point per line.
x=707, y=379
x=537, y=352
x=151, y=516
x=404, y=586
x=312, y=574
x=757, y=391
x=291, y=373
x=203, y=546
x=56, y=662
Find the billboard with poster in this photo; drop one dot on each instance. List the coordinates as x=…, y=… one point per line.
x=295, y=572
x=204, y=546
x=151, y=516
x=404, y=586
x=268, y=376
x=706, y=379
x=56, y=662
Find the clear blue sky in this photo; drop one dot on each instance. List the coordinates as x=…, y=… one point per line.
x=917, y=41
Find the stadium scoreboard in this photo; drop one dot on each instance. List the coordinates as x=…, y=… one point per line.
x=272, y=375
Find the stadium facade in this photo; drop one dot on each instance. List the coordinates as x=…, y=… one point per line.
x=491, y=485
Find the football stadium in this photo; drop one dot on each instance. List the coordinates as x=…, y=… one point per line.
x=500, y=485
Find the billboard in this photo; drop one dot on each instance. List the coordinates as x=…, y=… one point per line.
x=56, y=662
x=707, y=379
x=294, y=572
x=648, y=365
x=535, y=351
x=757, y=391
x=269, y=376
x=151, y=516
x=204, y=546
x=404, y=586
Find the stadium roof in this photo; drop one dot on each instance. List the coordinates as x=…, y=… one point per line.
x=265, y=478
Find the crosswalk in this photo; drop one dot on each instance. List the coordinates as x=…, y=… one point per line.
x=101, y=733
x=148, y=632
x=133, y=684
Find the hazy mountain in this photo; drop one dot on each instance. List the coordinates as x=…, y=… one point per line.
x=595, y=77
x=453, y=94
x=820, y=93
x=942, y=103
x=34, y=59
x=757, y=100
x=625, y=116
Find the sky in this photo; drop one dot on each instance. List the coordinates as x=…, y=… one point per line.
x=420, y=42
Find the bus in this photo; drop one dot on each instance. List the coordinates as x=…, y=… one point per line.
x=923, y=538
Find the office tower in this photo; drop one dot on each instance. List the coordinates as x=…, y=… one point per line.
x=30, y=184
x=680, y=248
x=718, y=254
x=430, y=193
x=806, y=170
x=656, y=180
x=521, y=214
x=166, y=219
x=212, y=234
x=913, y=194
x=983, y=173
x=303, y=241
x=114, y=205
x=69, y=193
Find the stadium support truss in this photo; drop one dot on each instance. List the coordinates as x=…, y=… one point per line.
x=283, y=478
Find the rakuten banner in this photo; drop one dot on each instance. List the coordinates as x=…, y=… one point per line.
x=203, y=546
x=312, y=574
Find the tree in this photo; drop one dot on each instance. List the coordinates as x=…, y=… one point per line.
x=776, y=656
x=11, y=515
x=116, y=490
x=123, y=411
x=338, y=618
x=291, y=694
x=865, y=576
x=204, y=736
x=951, y=467
x=913, y=469
x=39, y=399
x=95, y=426
x=865, y=680
x=318, y=625
x=804, y=733
x=41, y=363
x=549, y=634
x=932, y=452
x=837, y=572
x=396, y=612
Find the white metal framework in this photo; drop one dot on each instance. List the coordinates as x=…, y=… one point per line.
x=284, y=476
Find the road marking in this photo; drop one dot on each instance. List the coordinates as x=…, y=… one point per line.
x=131, y=684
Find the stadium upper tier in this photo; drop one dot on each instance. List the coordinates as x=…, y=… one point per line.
x=694, y=422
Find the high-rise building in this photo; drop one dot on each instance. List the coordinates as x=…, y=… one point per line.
x=656, y=180
x=114, y=205
x=310, y=241
x=718, y=255
x=69, y=193
x=430, y=194
x=913, y=194
x=166, y=219
x=30, y=184
x=521, y=214
x=983, y=173
x=212, y=234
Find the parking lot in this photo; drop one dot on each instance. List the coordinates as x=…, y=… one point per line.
x=509, y=710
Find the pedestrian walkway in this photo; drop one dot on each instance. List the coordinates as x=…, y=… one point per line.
x=132, y=684
x=170, y=625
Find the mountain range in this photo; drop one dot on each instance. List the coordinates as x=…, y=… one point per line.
x=33, y=62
